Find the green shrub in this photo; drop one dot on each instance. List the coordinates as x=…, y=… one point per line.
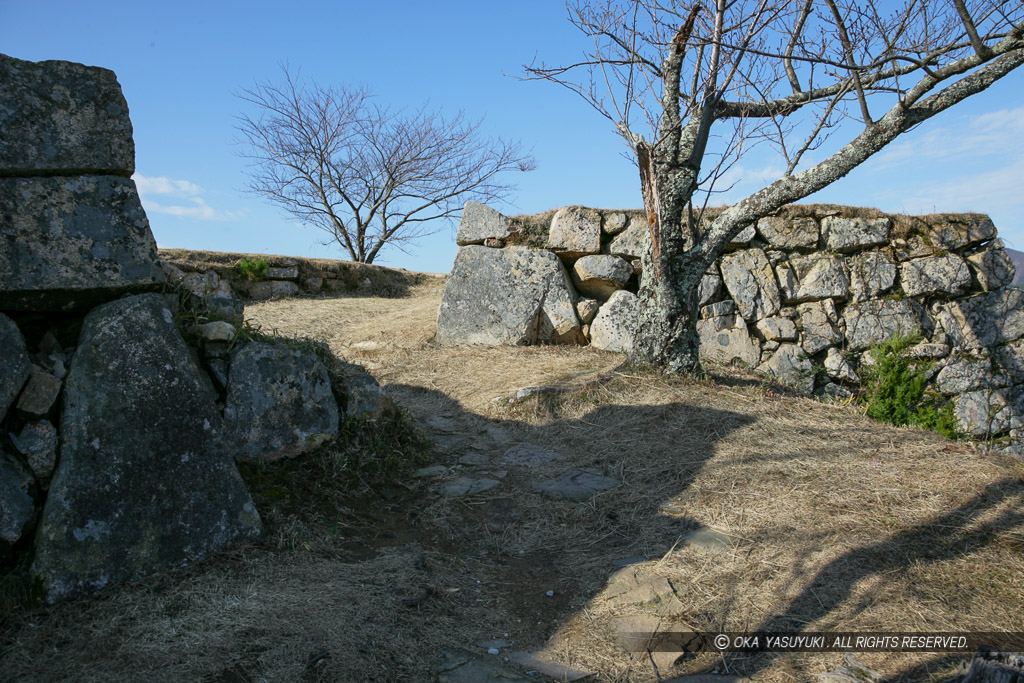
x=895, y=389
x=252, y=268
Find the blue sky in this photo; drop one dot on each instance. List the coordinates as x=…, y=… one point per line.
x=181, y=63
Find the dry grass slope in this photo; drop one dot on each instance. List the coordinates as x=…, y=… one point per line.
x=837, y=523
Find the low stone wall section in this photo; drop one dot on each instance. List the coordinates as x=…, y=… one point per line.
x=801, y=297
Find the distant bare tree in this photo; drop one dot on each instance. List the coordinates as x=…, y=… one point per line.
x=367, y=175
x=706, y=84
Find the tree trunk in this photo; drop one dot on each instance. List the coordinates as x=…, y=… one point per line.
x=666, y=335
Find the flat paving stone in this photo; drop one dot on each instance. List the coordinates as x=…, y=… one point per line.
x=529, y=455
x=575, y=485
x=556, y=670
x=474, y=459
x=467, y=486
x=460, y=666
x=430, y=471
x=709, y=540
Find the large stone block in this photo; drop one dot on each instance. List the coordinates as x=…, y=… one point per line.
x=601, y=276
x=62, y=118
x=17, y=508
x=789, y=233
x=789, y=365
x=73, y=242
x=633, y=242
x=818, y=320
x=992, y=267
x=872, y=273
x=947, y=274
x=985, y=320
x=575, y=231
x=749, y=278
x=871, y=322
x=813, y=278
x=480, y=222
x=279, y=402
x=725, y=339
x=512, y=296
x=852, y=234
x=144, y=481
x=614, y=328
x=952, y=234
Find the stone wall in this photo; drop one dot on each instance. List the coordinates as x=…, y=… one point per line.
x=800, y=297
x=126, y=400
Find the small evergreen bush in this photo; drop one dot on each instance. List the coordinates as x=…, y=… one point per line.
x=252, y=268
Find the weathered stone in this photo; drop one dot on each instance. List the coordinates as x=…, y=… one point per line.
x=72, y=242
x=600, y=276
x=954, y=234
x=992, y=267
x=206, y=285
x=37, y=441
x=279, y=402
x=512, y=296
x=789, y=365
x=727, y=307
x=871, y=273
x=217, y=330
x=62, y=118
x=39, y=395
x=586, y=309
x=789, y=233
x=230, y=310
x=17, y=508
x=614, y=223
x=946, y=274
x=749, y=278
x=283, y=272
x=985, y=413
x=928, y=351
x=838, y=368
x=777, y=328
x=313, y=284
x=633, y=242
x=362, y=396
x=15, y=366
x=724, y=339
x=813, y=277
x=831, y=391
x=710, y=284
x=1010, y=359
x=480, y=222
x=984, y=320
x=272, y=289
x=218, y=370
x=467, y=486
x=818, y=322
x=144, y=481
x=529, y=455
x=575, y=231
x=967, y=373
x=575, y=485
x=743, y=238
x=708, y=540
x=852, y=234
x=615, y=325
x=871, y=322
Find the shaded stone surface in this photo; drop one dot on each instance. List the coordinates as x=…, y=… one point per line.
x=575, y=231
x=992, y=268
x=955, y=233
x=852, y=234
x=790, y=365
x=39, y=395
x=361, y=393
x=279, y=402
x=62, y=118
x=529, y=455
x=966, y=373
x=633, y=242
x=614, y=327
x=467, y=486
x=17, y=508
x=15, y=365
x=750, y=280
x=724, y=339
x=710, y=284
x=73, y=242
x=1010, y=359
x=576, y=484
x=37, y=441
x=144, y=482
x=272, y=289
x=947, y=274
x=727, y=307
x=789, y=233
x=480, y=222
x=985, y=320
x=600, y=276
x=838, y=368
x=871, y=273
x=460, y=666
x=875, y=321
x=513, y=296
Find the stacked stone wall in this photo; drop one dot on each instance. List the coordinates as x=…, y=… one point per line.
x=801, y=297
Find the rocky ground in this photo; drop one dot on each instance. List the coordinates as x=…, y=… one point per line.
x=551, y=522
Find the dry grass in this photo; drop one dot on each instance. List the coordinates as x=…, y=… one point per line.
x=838, y=523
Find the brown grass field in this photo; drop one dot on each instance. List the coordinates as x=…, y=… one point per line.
x=836, y=523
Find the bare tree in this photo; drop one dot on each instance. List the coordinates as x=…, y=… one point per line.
x=367, y=175
x=706, y=84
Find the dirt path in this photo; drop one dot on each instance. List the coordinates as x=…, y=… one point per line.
x=549, y=527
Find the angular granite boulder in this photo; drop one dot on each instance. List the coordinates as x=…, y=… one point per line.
x=144, y=481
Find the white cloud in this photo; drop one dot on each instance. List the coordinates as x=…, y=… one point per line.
x=192, y=206
x=984, y=134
